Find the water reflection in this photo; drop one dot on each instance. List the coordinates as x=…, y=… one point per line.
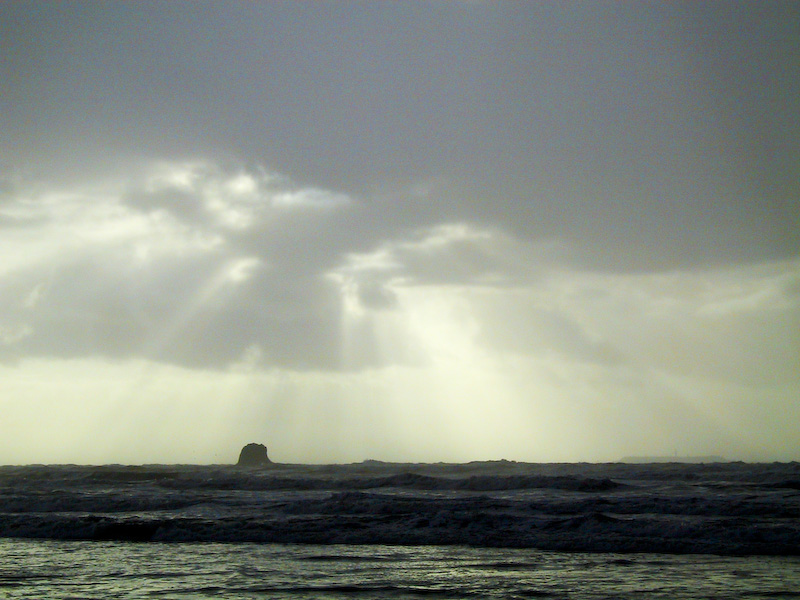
x=93, y=570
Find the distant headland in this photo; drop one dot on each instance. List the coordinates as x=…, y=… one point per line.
x=673, y=459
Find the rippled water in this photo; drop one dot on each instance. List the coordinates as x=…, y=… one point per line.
x=724, y=509
x=61, y=570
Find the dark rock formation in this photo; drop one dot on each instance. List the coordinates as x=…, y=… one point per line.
x=253, y=455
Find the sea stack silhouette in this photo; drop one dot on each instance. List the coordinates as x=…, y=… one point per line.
x=253, y=455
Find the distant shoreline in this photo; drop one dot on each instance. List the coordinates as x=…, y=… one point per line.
x=673, y=459
x=627, y=460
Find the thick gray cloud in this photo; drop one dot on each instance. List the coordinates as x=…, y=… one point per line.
x=653, y=136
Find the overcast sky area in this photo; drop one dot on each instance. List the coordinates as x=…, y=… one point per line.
x=402, y=231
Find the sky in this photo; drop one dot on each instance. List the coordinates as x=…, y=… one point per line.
x=404, y=231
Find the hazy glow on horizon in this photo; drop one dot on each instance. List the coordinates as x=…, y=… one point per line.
x=431, y=232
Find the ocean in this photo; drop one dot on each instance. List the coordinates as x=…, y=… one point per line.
x=59, y=570
x=385, y=530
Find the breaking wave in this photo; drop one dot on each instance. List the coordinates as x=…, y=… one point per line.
x=730, y=508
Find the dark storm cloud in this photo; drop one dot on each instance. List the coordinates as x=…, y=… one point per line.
x=651, y=136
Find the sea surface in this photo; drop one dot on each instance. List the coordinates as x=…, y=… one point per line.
x=385, y=530
x=59, y=570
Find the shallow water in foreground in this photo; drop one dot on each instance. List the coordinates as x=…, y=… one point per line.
x=59, y=570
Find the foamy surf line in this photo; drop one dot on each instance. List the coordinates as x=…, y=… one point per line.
x=725, y=508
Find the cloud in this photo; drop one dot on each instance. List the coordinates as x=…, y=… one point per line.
x=310, y=198
x=704, y=322
x=304, y=308
x=157, y=266
x=195, y=262
x=443, y=254
x=525, y=299
x=231, y=198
